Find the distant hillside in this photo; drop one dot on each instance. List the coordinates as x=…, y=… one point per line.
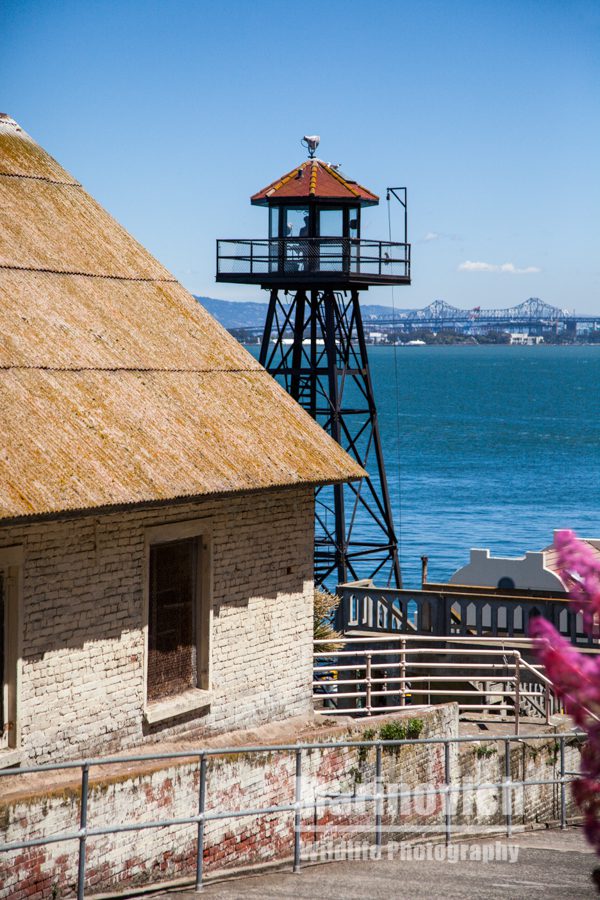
x=247, y=314
x=234, y=313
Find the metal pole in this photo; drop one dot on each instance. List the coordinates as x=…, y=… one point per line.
x=335, y=420
x=395, y=574
x=507, y=789
x=563, y=787
x=85, y=773
x=314, y=299
x=403, y=671
x=517, y=690
x=298, y=812
x=297, y=349
x=201, y=807
x=447, y=776
x=378, y=800
x=547, y=703
x=406, y=216
x=266, y=339
x=424, y=564
x=368, y=685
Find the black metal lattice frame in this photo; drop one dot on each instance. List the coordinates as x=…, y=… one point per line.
x=314, y=344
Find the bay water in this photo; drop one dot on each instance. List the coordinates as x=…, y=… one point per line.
x=487, y=446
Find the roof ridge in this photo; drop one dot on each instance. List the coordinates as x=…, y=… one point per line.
x=343, y=181
x=146, y=369
x=41, y=178
x=313, y=177
x=15, y=268
x=275, y=185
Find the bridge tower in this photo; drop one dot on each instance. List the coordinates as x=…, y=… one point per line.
x=315, y=263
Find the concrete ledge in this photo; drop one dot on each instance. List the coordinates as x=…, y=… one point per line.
x=173, y=707
x=10, y=758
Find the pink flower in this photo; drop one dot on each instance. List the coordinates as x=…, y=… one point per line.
x=576, y=676
x=581, y=571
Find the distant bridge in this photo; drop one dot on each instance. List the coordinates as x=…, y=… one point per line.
x=531, y=315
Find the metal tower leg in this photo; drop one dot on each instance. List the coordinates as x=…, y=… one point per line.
x=330, y=377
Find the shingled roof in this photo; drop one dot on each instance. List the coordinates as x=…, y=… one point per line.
x=116, y=386
x=314, y=179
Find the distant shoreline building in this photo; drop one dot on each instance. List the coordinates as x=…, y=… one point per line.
x=524, y=339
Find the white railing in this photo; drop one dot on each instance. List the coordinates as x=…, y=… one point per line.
x=462, y=611
x=377, y=675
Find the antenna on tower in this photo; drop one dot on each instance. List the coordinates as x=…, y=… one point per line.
x=311, y=142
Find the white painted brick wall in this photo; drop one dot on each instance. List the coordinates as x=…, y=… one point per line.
x=82, y=686
x=244, y=781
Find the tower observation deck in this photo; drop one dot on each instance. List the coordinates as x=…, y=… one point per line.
x=315, y=263
x=314, y=237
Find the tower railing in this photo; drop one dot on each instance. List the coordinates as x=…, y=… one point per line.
x=304, y=258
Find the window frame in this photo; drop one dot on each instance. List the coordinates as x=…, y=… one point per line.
x=11, y=566
x=196, y=698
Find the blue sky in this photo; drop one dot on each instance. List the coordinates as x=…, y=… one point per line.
x=173, y=113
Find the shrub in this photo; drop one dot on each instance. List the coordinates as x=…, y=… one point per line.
x=325, y=604
x=400, y=731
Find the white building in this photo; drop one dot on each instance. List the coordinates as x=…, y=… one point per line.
x=523, y=339
x=536, y=570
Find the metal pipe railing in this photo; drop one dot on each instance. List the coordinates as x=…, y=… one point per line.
x=377, y=672
x=445, y=790
x=299, y=255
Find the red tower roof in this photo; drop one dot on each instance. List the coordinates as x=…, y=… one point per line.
x=314, y=179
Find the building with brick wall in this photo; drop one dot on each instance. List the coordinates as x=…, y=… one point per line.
x=156, y=492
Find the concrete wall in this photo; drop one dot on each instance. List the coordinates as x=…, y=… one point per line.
x=81, y=680
x=142, y=793
x=526, y=571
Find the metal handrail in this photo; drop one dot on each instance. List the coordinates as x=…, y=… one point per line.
x=318, y=240
x=445, y=788
x=550, y=687
x=332, y=695
x=299, y=255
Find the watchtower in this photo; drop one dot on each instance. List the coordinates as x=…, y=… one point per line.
x=315, y=263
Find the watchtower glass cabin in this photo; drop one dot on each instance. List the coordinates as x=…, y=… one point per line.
x=315, y=263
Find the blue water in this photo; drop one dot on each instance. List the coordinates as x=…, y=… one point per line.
x=493, y=447
x=487, y=446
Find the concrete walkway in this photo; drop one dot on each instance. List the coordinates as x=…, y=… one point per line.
x=549, y=865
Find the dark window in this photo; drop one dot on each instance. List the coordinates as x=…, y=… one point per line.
x=172, y=639
x=506, y=584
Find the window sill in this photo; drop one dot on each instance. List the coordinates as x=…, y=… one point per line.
x=173, y=707
x=10, y=758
